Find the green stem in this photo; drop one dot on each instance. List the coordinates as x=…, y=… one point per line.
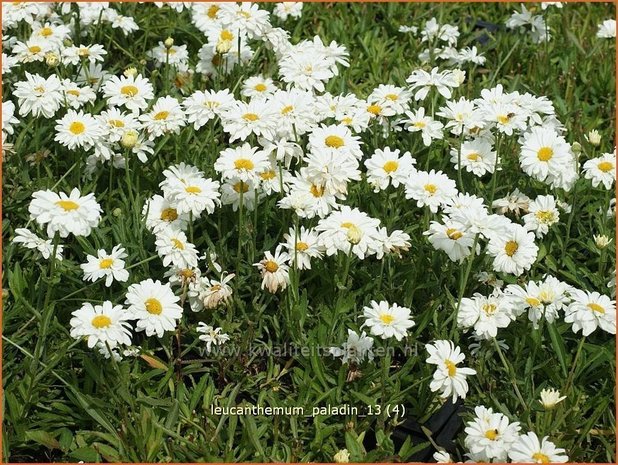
x=511, y=373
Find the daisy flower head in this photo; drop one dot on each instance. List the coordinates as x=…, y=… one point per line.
x=78, y=129
x=543, y=213
x=391, y=99
x=105, y=324
x=514, y=251
x=29, y=240
x=211, y=335
x=550, y=398
x=176, y=56
x=601, y=170
x=422, y=82
x=452, y=237
x=476, y=156
x=74, y=54
x=461, y=114
x=274, y=270
x=355, y=350
x=258, y=86
x=305, y=69
x=160, y=215
x=331, y=171
x=433, y=189
x=243, y=119
x=65, y=214
x=308, y=198
x=286, y=10
x=77, y=96
x=387, y=167
x=529, y=449
x=302, y=247
x=607, y=29
x=485, y=314
x=429, y=128
x=448, y=378
x=165, y=117
x=8, y=119
x=387, y=320
x=589, y=311
x=242, y=163
x=202, y=106
x=174, y=248
x=213, y=293
x=336, y=140
x=30, y=51
x=544, y=153
x=543, y=299
x=489, y=436
x=154, y=306
x=349, y=231
x=394, y=243
x=512, y=203
x=109, y=266
x=38, y=95
x=188, y=191
x=131, y=91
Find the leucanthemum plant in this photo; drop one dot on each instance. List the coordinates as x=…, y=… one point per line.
x=407, y=210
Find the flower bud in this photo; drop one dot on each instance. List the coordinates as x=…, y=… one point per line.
x=594, y=137
x=354, y=234
x=129, y=139
x=117, y=212
x=129, y=72
x=602, y=241
x=169, y=42
x=52, y=59
x=576, y=148
x=343, y=456
x=550, y=398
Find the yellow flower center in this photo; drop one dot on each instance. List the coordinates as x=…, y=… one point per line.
x=347, y=225
x=387, y=318
x=605, y=166
x=271, y=266
x=101, y=321
x=212, y=11
x=451, y=367
x=489, y=309
x=161, y=115
x=334, y=142
x=193, y=190
x=540, y=457
x=491, y=434
x=346, y=120
x=596, y=308
x=454, y=234
x=226, y=35
x=545, y=153
x=39, y=89
x=392, y=97
x=153, y=306
x=503, y=119
x=390, y=166
x=67, y=205
x=511, y=247
x=420, y=124
x=431, y=188
x=545, y=216
x=374, y=109
x=73, y=92
x=129, y=91
x=260, y=87
x=187, y=273
x=241, y=186
x=473, y=156
x=106, y=263
x=287, y=109
x=178, y=244
x=34, y=49
x=302, y=246
x=243, y=164
x=266, y=175
x=116, y=123
x=250, y=117
x=533, y=301
x=46, y=31
x=169, y=215
x=77, y=127
x=317, y=191
x=83, y=52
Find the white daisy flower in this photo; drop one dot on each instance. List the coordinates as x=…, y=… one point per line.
x=601, y=170
x=165, y=117
x=160, y=215
x=109, y=266
x=448, y=378
x=387, y=320
x=433, y=189
x=188, y=191
x=302, y=248
x=386, y=167
x=39, y=96
x=78, y=129
x=174, y=248
x=242, y=163
x=589, y=311
x=275, y=271
x=477, y=157
x=154, y=306
x=528, y=449
x=355, y=350
x=514, y=251
x=428, y=127
x=30, y=240
x=65, y=214
x=133, y=92
x=211, y=335
x=485, y=314
x=243, y=119
x=489, y=436
x=104, y=324
x=543, y=214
